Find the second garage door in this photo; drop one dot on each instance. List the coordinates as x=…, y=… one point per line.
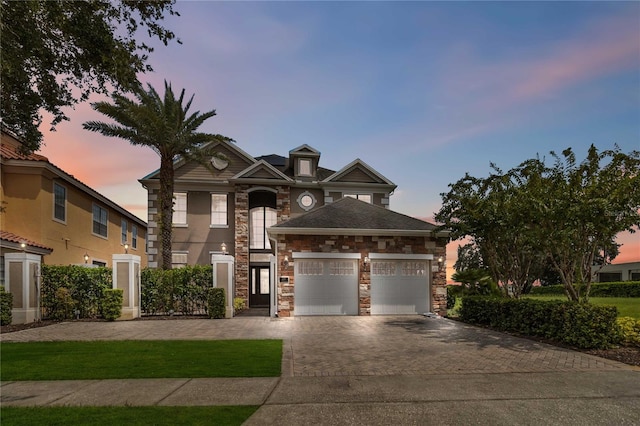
x=399, y=286
x=325, y=286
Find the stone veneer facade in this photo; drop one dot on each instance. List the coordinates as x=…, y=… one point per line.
x=365, y=245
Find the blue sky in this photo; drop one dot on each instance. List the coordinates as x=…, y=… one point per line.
x=421, y=91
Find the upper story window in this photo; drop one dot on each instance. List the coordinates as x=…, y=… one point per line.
x=219, y=210
x=100, y=220
x=260, y=218
x=123, y=227
x=134, y=237
x=59, y=202
x=362, y=197
x=179, y=208
x=304, y=167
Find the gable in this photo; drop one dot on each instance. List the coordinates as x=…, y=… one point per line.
x=237, y=161
x=260, y=171
x=358, y=172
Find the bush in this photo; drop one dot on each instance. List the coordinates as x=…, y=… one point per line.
x=629, y=331
x=182, y=290
x=6, y=304
x=451, y=297
x=111, y=306
x=216, y=302
x=84, y=287
x=578, y=324
x=617, y=289
x=239, y=304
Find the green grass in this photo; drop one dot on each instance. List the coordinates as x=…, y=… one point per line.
x=51, y=416
x=137, y=359
x=627, y=306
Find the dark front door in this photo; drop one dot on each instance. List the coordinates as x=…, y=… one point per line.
x=259, y=287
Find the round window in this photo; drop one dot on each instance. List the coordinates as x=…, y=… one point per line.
x=306, y=201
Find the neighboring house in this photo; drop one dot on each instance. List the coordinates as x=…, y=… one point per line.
x=305, y=240
x=619, y=272
x=46, y=211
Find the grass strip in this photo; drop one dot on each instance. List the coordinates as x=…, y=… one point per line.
x=218, y=415
x=138, y=359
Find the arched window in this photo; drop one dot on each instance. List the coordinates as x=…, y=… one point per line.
x=260, y=218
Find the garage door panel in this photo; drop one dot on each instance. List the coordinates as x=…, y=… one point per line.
x=326, y=287
x=399, y=287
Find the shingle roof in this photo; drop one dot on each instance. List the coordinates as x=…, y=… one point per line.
x=349, y=214
x=13, y=238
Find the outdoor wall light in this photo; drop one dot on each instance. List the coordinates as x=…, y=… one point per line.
x=86, y=257
x=223, y=247
x=440, y=263
x=285, y=262
x=366, y=261
x=126, y=248
x=23, y=244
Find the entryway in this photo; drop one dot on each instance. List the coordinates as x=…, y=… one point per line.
x=259, y=286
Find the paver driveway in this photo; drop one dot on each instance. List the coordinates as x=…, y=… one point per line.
x=345, y=346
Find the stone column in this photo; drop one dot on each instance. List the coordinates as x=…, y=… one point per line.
x=22, y=279
x=126, y=276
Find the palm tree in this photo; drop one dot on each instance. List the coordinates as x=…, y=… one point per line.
x=164, y=126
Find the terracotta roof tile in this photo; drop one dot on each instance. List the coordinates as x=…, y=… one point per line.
x=13, y=238
x=11, y=153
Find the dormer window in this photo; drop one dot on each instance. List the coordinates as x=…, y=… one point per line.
x=304, y=167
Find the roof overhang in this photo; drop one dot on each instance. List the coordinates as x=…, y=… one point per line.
x=275, y=230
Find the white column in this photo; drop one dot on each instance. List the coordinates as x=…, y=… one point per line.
x=22, y=279
x=126, y=276
x=223, y=277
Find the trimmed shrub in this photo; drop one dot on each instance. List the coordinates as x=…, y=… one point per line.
x=215, y=302
x=84, y=286
x=111, y=304
x=578, y=324
x=181, y=290
x=239, y=304
x=616, y=289
x=6, y=304
x=629, y=331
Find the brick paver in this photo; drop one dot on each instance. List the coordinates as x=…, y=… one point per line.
x=351, y=346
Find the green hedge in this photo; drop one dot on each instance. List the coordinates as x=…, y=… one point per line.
x=173, y=291
x=111, y=304
x=6, y=304
x=216, y=302
x=614, y=289
x=578, y=324
x=629, y=331
x=70, y=289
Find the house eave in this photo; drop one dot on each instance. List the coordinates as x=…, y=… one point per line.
x=272, y=231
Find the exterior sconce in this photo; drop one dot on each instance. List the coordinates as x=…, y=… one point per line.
x=440, y=263
x=285, y=262
x=126, y=248
x=23, y=244
x=86, y=257
x=366, y=262
x=223, y=248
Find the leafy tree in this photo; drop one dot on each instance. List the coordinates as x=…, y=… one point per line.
x=567, y=215
x=469, y=257
x=164, y=126
x=580, y=208
x=56, y=53
x=475, y=282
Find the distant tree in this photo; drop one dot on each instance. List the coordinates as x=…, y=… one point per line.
x=162, y=124
x=56, y=53
x=469, y=257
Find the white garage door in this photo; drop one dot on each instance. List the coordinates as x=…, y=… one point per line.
x=325, y=287
x=399, y=287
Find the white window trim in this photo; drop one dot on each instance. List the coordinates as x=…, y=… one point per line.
x=66, y=197
x=184, y=224
x=218, y=226
x=310, y=161
x=106, y=237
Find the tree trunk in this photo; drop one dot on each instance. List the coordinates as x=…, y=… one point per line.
x=166, y=209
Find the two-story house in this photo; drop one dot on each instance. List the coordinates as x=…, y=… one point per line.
x=47, y=212
x=305, y=240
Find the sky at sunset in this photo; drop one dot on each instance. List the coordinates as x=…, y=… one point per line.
x=421, y=91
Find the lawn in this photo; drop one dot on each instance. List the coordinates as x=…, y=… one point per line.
x=138, y=359
x=126, y=415
x=627, y=306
